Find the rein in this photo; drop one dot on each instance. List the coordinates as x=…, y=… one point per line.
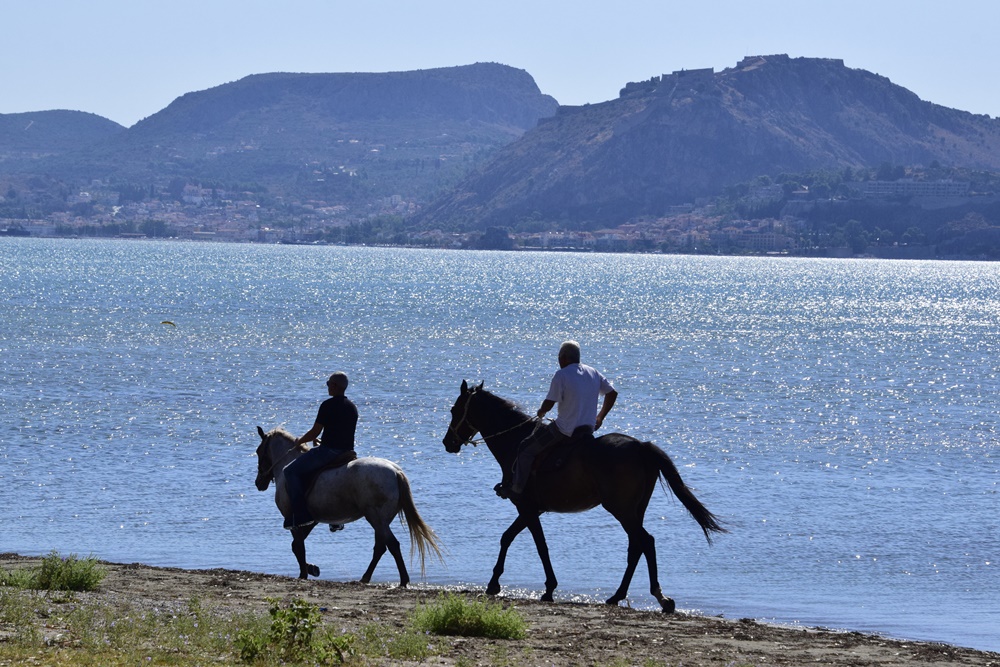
x=474, y=441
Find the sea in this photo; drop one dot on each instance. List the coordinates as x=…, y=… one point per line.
x=839, y=415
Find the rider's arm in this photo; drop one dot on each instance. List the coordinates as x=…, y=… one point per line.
x=609, y=402
x=546, y=406
x=311, y=435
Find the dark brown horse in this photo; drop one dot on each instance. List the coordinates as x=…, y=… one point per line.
x=615, y=471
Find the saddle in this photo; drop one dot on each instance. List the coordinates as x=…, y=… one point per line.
x=341, y=460
x=555, y=457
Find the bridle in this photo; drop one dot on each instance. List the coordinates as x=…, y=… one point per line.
x=274, y=464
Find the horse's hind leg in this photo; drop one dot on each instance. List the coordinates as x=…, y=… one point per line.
x=641, y=543
x=376, y=557
x=649, y=550
x=384, y=539
x=299, y=536
x=393, y=544
x=634, y=553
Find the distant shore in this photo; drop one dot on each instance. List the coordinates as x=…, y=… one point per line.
x=917, y=253
x=559, y=633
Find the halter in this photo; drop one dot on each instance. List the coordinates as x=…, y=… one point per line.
x=471, y=440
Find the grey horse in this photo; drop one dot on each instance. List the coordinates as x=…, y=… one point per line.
x=371, y=488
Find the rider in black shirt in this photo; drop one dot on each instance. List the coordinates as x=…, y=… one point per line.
x=337, y=420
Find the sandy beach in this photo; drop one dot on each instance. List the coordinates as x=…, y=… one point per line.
x=558, y=633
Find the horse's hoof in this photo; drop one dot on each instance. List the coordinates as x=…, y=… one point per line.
x=493, y=589
x=313, y=570
x=614, y=600
x=668, y=605
x=547, y=597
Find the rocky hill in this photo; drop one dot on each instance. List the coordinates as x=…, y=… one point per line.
x=690, y=134
x=334, y=137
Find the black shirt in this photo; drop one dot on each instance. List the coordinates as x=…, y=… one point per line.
x=339, y=418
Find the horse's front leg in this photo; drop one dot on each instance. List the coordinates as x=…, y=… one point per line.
x=535, y=526
x=506, y=540
x=299, y=536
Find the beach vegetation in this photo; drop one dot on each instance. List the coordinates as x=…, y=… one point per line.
x=39, y=621
x=296, y=633
x=453, y=614
x=56, y=573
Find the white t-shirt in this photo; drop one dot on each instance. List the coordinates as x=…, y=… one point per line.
x=575, y=389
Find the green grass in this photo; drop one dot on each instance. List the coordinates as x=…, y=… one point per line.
x=57, y=573
x=296, y=634
x=452, y=614
x=70, y=632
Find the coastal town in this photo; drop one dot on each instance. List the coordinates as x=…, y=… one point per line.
x=196, y=213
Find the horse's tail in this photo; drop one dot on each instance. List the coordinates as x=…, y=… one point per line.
x=709, y=522
x=422, y=537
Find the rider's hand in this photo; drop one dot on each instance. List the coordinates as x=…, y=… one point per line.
x=597, y=426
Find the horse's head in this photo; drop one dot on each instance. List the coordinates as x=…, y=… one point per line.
x=460, y=430
x=265, y=470
x=276, y=450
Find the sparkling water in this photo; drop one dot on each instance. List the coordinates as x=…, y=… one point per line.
x=839, y=415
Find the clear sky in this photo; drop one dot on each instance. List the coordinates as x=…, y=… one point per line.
x=127, y=59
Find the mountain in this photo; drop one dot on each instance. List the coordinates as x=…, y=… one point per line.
x=691, y=134
x=25, y=137
x=328, y=136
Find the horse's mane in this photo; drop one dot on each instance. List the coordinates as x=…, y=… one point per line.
x=501, y=402
x=282, y=432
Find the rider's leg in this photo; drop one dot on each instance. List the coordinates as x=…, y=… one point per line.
x=534, y=444
x=298, y=474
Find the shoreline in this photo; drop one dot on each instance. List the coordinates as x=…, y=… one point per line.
x=559, y=633
x=559, y=250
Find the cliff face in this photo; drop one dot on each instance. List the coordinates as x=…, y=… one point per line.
x=690, y=134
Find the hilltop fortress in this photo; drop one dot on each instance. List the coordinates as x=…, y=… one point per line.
x=668, y=83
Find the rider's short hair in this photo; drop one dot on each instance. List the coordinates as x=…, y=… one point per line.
x=338, y=379
x=570, y=351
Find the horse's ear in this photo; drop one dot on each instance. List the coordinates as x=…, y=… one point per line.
x=261, y=432
x=480, y=387
x=465, y=387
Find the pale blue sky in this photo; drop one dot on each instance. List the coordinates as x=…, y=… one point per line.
x=127, y=59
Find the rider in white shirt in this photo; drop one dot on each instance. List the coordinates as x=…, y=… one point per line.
x=576, y=388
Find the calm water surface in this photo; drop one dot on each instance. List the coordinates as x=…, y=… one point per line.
x=840, y=416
